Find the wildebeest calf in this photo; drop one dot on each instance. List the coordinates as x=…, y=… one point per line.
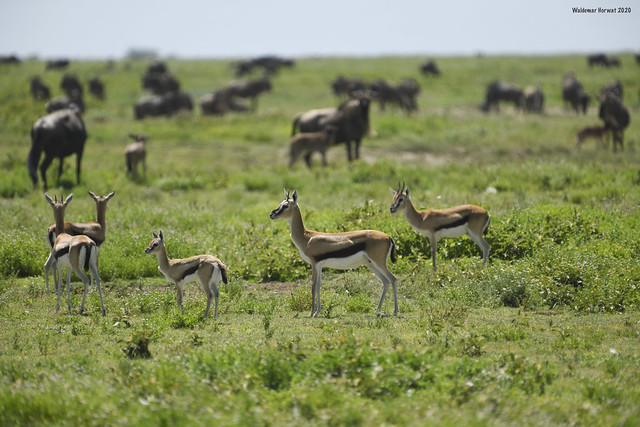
x=308, y=142
x=595, y=132
x=135, y=153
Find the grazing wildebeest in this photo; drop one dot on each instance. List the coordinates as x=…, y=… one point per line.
x=615, y=117
x=96, y=88
x=39, y=90
x=162, y=105
x=62, y=102
x=248, y=89
x=219, y=103
x=429, y=67
x=351, y=120
x=57, y=64
x=598, y=59
x=160, y=83
x=58, y=134
x=574, y=94
x=270, y=65
x=533, y=99
x=9, y=59
x=403, y=94
x=348, y=86
x=498, y=91
x=70, y=84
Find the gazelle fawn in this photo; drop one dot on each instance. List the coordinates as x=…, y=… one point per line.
x=206, y=268
x=341, y=251
x=136, y=153
x=451, y=222
x=73, y=252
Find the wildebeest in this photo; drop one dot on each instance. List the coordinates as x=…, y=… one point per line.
x=498, y=91
x=65, y=101
x=351, y=119
x=403, y=94
x=574, y=94
x=306, y=143
x=219, y=103
x=162, y=105
x=248, y=89
x=57, y=64
x=429, y=67
x=533, y=99
x=270, y=65
x=348, y=86
x=160, y=83
x=96, y=88
x=58, y=134
x=9, y=59
x=39, y=90
x=614, y=88
x=615, y=117
x=157, y=67
x=70, y=84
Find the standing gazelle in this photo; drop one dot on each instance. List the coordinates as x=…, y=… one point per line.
x=207, y=268
x=451, y=222
x=338, y=250
x=73, y=252
x=135, y=153
x=96, y=230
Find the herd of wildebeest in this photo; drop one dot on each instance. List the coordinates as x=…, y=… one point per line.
x=61, y=132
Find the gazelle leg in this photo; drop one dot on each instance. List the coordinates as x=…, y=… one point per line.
x=179, y=296
x=479, y=240
x=387, y=278
x=69, y=288
x=433, y=245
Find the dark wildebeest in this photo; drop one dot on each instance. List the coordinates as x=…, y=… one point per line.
x=270, y=65
x=429, y=67
x=10, y=59
x=157, y=67
x=248, y=89
x=574, y=94
x=498, y=91
x=533, y=99
x=403, y=94
x=70, y=84
x=162, y=105
x=351, y=120
x=63, y=102
x=219, y=103
x=96, y=88
x=39, y=90
x=614, y=88
x=58, y=134
x=598, y=59
x=615, y=117
x=160, y=83
x=57, y=64
x=350, y=87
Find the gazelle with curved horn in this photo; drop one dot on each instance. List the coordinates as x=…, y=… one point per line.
x=73, y=252
x=451, y=222
x=206, y=268
x=341, y=251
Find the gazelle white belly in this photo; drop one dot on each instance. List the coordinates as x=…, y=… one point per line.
x=452, y=232
x=345, y=263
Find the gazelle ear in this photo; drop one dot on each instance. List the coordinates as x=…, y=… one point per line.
x=93, y=196
x=49, y=199
x=155, y=236
x=68, y=199
x=110, y=195
x=394, y=192
x=161, y=236
x=286, y=194
x=295, y=196
x=406, y=191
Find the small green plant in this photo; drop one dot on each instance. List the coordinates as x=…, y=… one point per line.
x=137, y=345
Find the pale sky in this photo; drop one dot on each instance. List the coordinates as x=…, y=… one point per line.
x=86, y=29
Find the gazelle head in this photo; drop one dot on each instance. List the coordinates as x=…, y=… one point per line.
x=155, y=244
x=284, y=209
x=58, y=205
x=400, y=197
x=101, y=199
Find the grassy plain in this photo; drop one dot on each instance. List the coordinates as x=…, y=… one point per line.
x=546, y=334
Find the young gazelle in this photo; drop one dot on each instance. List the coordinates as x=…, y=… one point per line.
x=207, y=268
x=338, y=250
x=451, y=222
x=96, y=230
x=135, y=153
x=73, y=252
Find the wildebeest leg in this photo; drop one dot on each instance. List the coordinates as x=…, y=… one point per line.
x=357, y=148
x=348, y=144
x=43, y=169
x=78, y=161
x=307, y=159
x=60, y=168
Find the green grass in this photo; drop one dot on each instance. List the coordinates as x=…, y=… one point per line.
x=546, y=334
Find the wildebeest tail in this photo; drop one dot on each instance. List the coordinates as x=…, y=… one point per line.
x=34, y=155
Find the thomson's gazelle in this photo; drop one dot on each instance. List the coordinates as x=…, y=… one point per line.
x=338, y=250
x=207, y=268
x=451, y=222
x=73, y=252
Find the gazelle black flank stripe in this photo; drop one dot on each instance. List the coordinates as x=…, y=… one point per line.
x=342, y=253
x=460, y=222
